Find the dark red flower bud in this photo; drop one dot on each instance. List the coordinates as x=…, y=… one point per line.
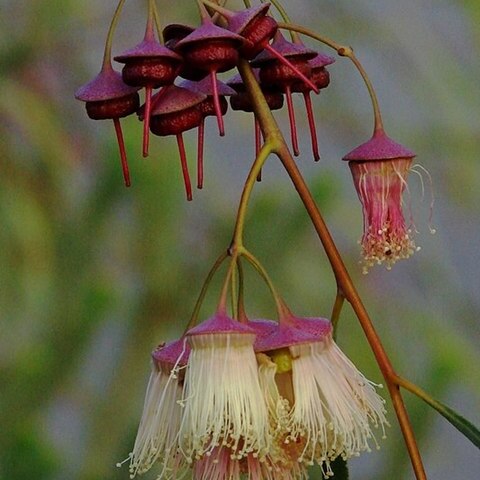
x=208, y=109
x=108, y=97
x=211, y=49
x=275, y=72
x=177, y=111
x=151, y=65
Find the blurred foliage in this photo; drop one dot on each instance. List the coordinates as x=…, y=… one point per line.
x=93, y=276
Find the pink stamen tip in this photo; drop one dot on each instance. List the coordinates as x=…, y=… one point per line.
x=183, y=160
x=146, y=120
x=311, y=125
x=216, y=104
x=287, y=62
x=201, y=136
x=123, y=153
x=291, y=118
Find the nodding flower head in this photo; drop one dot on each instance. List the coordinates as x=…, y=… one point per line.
x=380, y=168
x=223, y=402
x=157, y=436
x=332, y=406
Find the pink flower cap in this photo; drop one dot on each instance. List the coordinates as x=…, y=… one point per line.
x=175, y=99
x=286, y=49
x=379, y=147
x=220, y=323
x=172, y=351
x=263, y=328
x=321, y=60
x=316, y=326
x=285, y=335
x=148, y=49
x=107, y=85
x=205, y=87
x=208, y=31
x=240, y=20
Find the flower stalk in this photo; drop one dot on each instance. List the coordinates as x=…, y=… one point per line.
x=344, y=51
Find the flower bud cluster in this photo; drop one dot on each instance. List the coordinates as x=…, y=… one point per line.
x=180, y=77
x=181, y=87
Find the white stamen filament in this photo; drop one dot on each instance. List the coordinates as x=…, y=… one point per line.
x=335, y=405
x=158, y=430
x=222, y=397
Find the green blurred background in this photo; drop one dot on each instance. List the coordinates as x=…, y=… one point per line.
x=94, y=275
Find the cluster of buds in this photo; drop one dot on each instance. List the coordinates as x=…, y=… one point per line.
x=184, y=70
x=254, y=399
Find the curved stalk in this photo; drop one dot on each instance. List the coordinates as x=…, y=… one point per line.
x=222, y=303
x=107, y=54
x=158, y=24
x=237, y=241
x=234, y=291
x=344, y=51
x=203, y=291
x=337, y=309
x=283, y=13
x=242, y=314
x=281, y=307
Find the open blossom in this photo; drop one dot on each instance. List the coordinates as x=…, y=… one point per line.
x=333, y=407
x=222, y=396
x=379, y=169
x=258, y=400
x=157, y=435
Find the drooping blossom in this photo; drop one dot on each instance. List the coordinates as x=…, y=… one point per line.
x=380, y=168
x=157, y=437
x=333, y=407
x=223, y=403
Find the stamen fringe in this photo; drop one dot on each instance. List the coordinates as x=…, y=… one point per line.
x=282, y=460
x=334, y=405
x=380, y=185
x=157, y=435
x=222, y=398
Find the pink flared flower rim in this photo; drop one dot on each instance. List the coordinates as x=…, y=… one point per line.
x=286, y=49
x=283, y=336
x=148, y=49
x=220, y=323
x=205, y=87
x=175, y=99
x=239, y=20
x=321, y=60
x=208, y=31
x=379, y=147
x=107, y=85
x=263, y=328
x=316, y=326
x=171, y=352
